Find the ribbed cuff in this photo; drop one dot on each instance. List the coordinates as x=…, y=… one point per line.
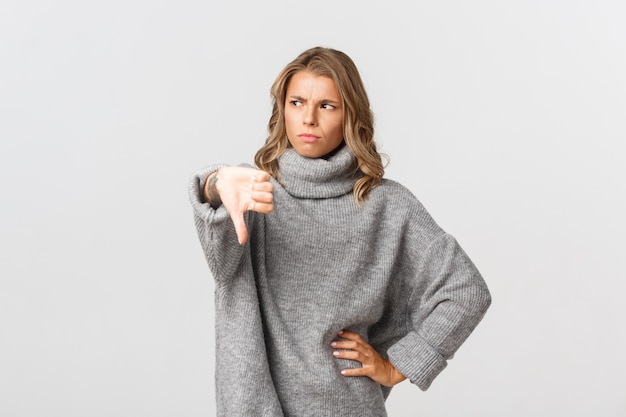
x=416, y=360
x=196, y=185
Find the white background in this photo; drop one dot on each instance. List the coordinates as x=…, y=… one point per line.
x=507, y=120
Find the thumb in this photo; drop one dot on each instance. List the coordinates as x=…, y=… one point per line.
x=240, y=227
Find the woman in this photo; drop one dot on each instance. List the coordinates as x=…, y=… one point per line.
x=332, y=283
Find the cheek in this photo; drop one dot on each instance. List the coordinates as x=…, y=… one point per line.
x=290, y=129
x=289, y=122
x=337, y=129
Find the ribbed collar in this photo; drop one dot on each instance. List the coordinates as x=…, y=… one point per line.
x=316, y=177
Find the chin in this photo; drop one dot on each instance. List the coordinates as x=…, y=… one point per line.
x=311, y=155
x=307, y=152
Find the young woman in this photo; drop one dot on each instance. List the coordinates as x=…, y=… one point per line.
x=332, y=284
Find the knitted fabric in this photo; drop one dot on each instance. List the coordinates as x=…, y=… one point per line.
x=320, y=263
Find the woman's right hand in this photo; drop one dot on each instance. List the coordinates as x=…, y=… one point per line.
x=240, y=189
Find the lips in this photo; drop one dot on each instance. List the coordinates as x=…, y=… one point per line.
x=307, y=137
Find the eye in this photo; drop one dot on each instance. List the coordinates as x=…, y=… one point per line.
x=296, y=103
x=328, y=106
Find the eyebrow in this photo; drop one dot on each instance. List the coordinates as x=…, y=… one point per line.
x=324, y=100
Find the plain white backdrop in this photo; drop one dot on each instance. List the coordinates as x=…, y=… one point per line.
x=506, y=119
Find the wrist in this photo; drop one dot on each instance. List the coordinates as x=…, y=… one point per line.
x=398, y=376
x=210, y=191
x=395, y=376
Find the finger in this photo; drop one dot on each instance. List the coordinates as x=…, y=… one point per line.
x=261, y=176
x=261, y=197
x=345, y=344
x=240, y=228
x=261, y=207
x=349, y=354
x=266, y=186
x=347, y=334
x=354, y=372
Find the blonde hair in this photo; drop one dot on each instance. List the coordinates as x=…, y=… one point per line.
x=358, y=120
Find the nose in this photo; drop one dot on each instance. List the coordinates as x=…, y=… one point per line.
x=310, y=116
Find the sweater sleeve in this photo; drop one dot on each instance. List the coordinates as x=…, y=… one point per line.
x=448, y=301
x=215, y=229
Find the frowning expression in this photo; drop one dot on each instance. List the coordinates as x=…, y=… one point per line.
x=313, y=114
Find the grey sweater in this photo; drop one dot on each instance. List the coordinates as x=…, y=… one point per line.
x=320, y=263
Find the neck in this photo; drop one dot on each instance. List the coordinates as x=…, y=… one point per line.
x=327, y=177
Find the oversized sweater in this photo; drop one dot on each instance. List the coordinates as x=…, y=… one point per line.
x=320, y=263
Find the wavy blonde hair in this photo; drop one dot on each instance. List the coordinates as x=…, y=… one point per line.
x=358, y=119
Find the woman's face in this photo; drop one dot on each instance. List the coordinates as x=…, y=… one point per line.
x=313, y=114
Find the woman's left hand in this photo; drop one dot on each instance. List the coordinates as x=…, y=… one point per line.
x=373, y=365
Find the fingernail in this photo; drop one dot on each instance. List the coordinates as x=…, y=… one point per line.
x=343, y=372
x=333, y=344
x=340, y=332
x=336, y=353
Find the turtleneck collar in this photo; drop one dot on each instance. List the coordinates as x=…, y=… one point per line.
x=304, y=177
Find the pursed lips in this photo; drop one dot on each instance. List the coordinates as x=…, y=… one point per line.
x=307, y=137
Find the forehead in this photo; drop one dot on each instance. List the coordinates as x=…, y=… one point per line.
x=308, y=84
